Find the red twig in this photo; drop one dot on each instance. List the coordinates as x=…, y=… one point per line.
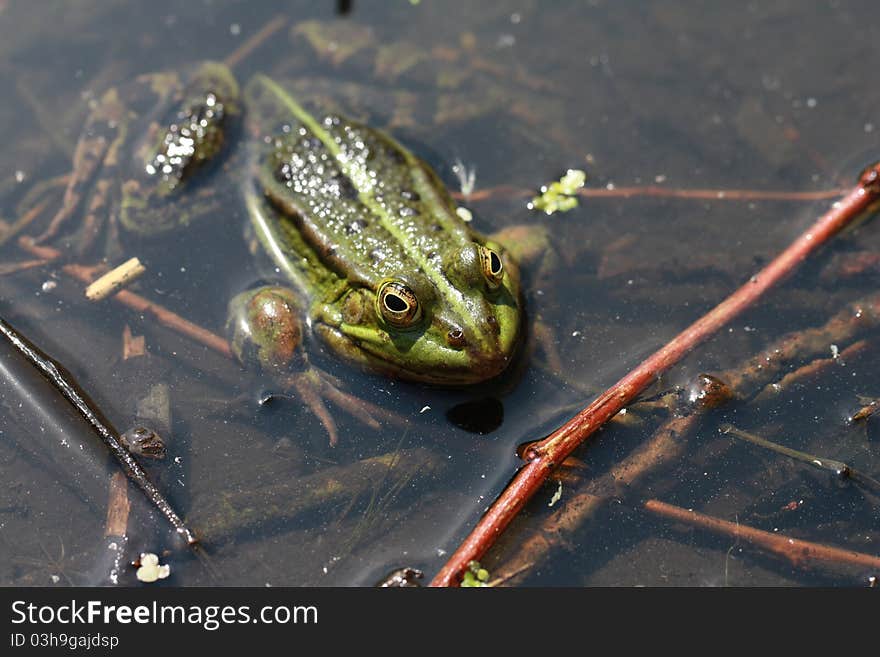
x=543, y=456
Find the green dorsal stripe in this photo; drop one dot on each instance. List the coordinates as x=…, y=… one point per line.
x=453, y=297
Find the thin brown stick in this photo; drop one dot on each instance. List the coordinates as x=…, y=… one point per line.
x=812, y=370
x=656, y=191
x=747, y=377
x=543, y=456
x=132, y=345
x=27, y=243
x=839, y=468
x=14, y=267
x=799, y=553
x=136, y=302
x=159, y=313
x=23, y=222
x=118, y=506
x=665, y=445
x=255, y=40
x=854, y=319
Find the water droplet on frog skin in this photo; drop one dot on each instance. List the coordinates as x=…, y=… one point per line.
x=481, y=416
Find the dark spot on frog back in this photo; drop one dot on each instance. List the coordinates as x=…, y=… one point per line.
x=356, y=226
x=346, y=188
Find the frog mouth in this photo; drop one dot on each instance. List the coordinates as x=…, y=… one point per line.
x=457, y=367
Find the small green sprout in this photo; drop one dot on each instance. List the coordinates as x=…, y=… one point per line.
x=560, y=195
x=475, y=576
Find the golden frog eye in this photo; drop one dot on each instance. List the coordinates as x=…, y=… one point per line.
x=398, y=305
x=493, y=268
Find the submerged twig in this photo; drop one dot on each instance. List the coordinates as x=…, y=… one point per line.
x=255, y=40
x=226, y=513
x=64, y=382
x=667, y=444
x=14, y=267
x=669, y=439
x=812, y=369
x=839, y=468
x=799, y=553
x=543, y=456
x=136, y=302
x=856, y=318
x=656, y=191
x=118, y=506
x=22, y=222
x=160, y=313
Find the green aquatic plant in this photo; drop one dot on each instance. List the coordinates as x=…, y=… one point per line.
x=559, y=196
x=475, y=575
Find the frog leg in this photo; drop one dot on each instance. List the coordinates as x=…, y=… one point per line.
x=531, y=246
x=362, y=410
x=265, y=331
x=304, y=384
x=315, y=387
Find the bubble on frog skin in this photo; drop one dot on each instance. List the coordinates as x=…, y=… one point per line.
x=480, y=416
x=356, y=226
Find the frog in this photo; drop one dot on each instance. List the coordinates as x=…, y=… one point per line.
x=380, y=266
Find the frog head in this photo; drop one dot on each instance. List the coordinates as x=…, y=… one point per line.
x=461, y=326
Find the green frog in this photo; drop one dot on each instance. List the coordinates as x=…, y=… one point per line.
x=382, y=267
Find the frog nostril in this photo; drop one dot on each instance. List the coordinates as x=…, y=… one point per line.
x=455, y=338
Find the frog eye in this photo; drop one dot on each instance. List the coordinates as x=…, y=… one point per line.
x=493, y=268
x=398, y=305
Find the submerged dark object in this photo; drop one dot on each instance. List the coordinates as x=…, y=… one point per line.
x=64, y=382
x=143, y=441
x=401, y=578
x=480, y=416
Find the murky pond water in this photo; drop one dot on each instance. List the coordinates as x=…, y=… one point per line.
x=771, y=99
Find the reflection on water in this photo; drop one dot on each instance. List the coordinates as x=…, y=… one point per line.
x=638, y=94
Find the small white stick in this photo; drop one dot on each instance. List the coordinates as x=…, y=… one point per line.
x=113, y=280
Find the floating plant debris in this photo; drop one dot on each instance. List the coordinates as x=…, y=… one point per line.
x=560, y=195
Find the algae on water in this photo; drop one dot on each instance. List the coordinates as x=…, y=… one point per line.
x=560, y=196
